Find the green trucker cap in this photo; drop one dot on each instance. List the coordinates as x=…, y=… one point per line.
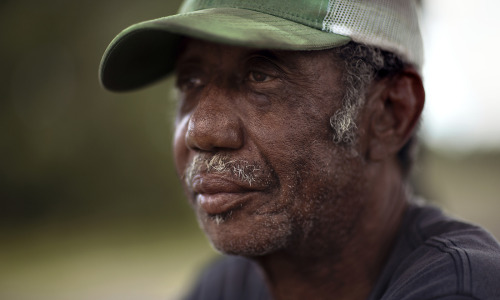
x=146, y=52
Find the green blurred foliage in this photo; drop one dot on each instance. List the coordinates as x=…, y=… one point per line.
x=69, y=150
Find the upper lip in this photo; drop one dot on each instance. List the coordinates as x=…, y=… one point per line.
x=214, y=184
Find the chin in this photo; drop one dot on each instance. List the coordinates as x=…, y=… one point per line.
x=250, y=237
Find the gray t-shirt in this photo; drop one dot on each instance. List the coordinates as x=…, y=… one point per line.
x=434, y=257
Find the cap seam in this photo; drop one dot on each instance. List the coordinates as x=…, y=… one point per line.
x=276, y=13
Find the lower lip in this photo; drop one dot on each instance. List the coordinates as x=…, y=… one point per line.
x=220, y=203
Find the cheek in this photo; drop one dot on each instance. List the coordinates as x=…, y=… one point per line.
x=181, y=152
x=296, y=151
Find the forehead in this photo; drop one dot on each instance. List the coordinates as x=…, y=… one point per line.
x=199, y=51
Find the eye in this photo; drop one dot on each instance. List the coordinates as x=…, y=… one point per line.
x=193, y=82
x=259, y=77
x=190, y=76
x=186, y=83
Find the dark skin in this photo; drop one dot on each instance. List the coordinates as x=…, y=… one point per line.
x=319, y=218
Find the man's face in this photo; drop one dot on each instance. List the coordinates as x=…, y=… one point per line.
x=253, y=145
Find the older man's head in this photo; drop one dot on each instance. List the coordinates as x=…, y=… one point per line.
x=295, y=123
x=386, y=35
x=292, y=151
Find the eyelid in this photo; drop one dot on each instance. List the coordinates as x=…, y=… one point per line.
x=265, y=65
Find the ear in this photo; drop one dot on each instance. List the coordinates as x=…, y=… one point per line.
x=395, y=105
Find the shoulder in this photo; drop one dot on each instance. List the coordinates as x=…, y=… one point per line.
x=449, y=259
x=230, y=277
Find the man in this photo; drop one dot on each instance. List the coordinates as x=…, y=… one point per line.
x=294, y=139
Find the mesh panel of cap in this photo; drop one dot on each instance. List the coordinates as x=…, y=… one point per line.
x=388, y=24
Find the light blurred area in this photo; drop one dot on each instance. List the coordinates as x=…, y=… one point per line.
x=460, y=164
x=90, y=207
x=461, y=79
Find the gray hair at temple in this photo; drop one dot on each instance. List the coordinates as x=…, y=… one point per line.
x=364, y=64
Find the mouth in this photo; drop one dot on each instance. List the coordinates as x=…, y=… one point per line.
x=218, y=195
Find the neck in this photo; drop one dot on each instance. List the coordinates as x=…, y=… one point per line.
x=349, y=271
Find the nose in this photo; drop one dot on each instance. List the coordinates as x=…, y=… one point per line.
x=214, y=123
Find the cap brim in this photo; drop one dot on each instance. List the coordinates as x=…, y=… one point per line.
x=146, y=52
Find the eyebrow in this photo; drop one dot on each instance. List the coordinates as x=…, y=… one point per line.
x=269, y=54
x=266, y=53
x=279, y=56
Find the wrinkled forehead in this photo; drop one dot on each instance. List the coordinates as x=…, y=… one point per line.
x=196, y=51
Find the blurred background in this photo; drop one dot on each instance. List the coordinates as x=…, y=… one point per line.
x=90, y=207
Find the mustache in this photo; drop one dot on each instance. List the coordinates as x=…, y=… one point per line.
x=238, y=169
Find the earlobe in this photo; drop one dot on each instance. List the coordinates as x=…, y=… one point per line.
x=396, y=104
